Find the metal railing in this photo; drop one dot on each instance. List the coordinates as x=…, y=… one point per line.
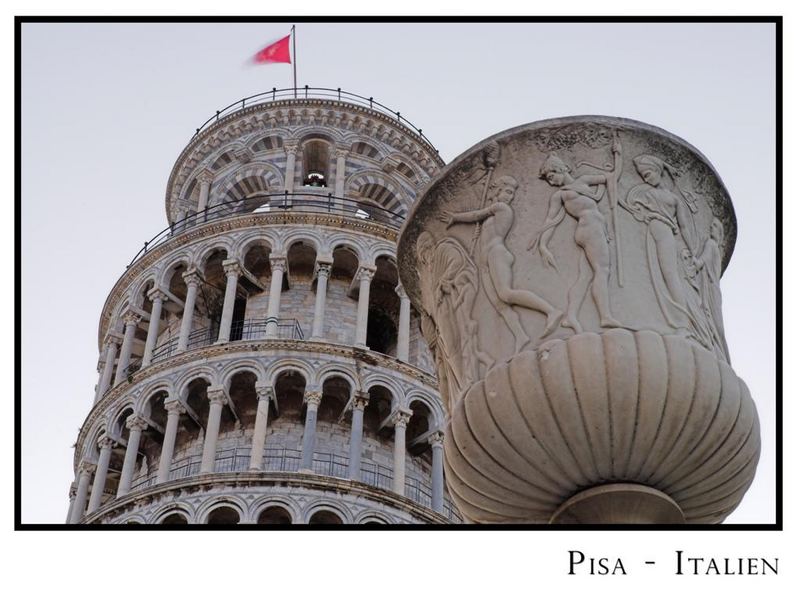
x=247, y=330
x=277, y=203
x=315, y=92
x=288, y=460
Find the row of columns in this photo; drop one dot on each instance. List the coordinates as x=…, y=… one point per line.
x=218, y=398
x=233, y=271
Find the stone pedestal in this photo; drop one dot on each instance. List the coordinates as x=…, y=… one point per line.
x=567, y=274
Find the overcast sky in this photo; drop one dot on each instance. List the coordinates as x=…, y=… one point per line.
x=107, y=108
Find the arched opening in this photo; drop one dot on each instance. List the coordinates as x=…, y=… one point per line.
x=274, y=515
x=325, y=517
x=189, y=441
x=384, y=308
x=174, y=518
x=210, y=299
x=223, y=515
x=376, y=412
x=316, y=163
x=151, y=442
x=290, y=386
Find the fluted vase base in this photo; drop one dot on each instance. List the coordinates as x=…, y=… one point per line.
x=619, y=503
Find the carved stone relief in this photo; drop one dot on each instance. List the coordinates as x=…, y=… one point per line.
x=501, y=254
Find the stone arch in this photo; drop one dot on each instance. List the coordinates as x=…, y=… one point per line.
x=271, y=500
x=150, y=391
x=117, y=424
x=430, y=402
x=266, y=142
x=415, y=173
x=379, y=250
x=180, y=508
x=276, y=368
x=220, y=243
x=333, y=506
x=205, y=373
x=357, y=247
x=366, y=149
x=372, y=515
x=139, y=290
x=303, y=133
x=168, y=267
x=99, y=429
x=333, y=370
x=389, y=384
x=377, y=187
x=250, y=366
x=256, y=237
x=248, y=179
x=300, y=234
x=132, y=519
x=225, y=501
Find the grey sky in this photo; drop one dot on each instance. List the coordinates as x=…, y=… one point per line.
x=107, y=108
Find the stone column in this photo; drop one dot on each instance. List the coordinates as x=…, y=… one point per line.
x=278, y=264
x=217, y=400
x=312, y=400
x=436, y=441
x=291, y=154
x=356, y=433
x=135, y=424
x=323, y=272
x=131, y=322
x=205, y=178
x=174, y=409
x=105, y=443
x=400, y=422
x=404, y=324
x=364, y=276
x=72, y=492
x=79, y=507
x=232, y=270
x=341, y=155
x=158, y=297
x=192, y=279
x=265, y=392
x=112, y=343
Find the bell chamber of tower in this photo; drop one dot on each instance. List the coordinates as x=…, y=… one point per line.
x=260, y=362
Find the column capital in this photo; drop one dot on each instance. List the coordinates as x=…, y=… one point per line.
x=341, y=152
x=174, y=407
x=264, y=390
x=205, y=176
x=131, y=318
x=401, y=292
x=436, y=439
x=217, y=394
x=312, y=398
x=192, y=276
x=360, y=400
x=277, y=262
x=291, y=146
x=401, y=417
x=105, y=442
x=86, y=467
x=157, y=293
x=136, y=422
x=323, y=268
x=365, y=273
x=113, y=338
x=231, y=267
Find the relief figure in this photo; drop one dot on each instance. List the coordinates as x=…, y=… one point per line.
x=495, y=261
x=579, y=197
x=708, y=267
x=449, y=289
x=666, y=216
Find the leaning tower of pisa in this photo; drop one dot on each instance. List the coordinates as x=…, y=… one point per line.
x=259, y=361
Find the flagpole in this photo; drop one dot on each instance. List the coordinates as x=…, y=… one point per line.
x=294, y=60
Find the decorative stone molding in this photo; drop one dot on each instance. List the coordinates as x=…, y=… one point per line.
x=205, y=176
x=174, y=407
x=217, y=395
x=312, y=398
x=136, y=422
x=360, y=400
x=157, y=294
x=105, y=442
x=265, y=391
x=192, y=277
x=365, y=273
x=401, y=418
x=131, y=318
x=114, y=338
x=231, y=267
x=277, y=262
x=436, y=439
x=323, y=268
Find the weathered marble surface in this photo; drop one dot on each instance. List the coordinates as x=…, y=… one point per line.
x=568, y=277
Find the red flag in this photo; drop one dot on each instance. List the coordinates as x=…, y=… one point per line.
x=274, y=53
